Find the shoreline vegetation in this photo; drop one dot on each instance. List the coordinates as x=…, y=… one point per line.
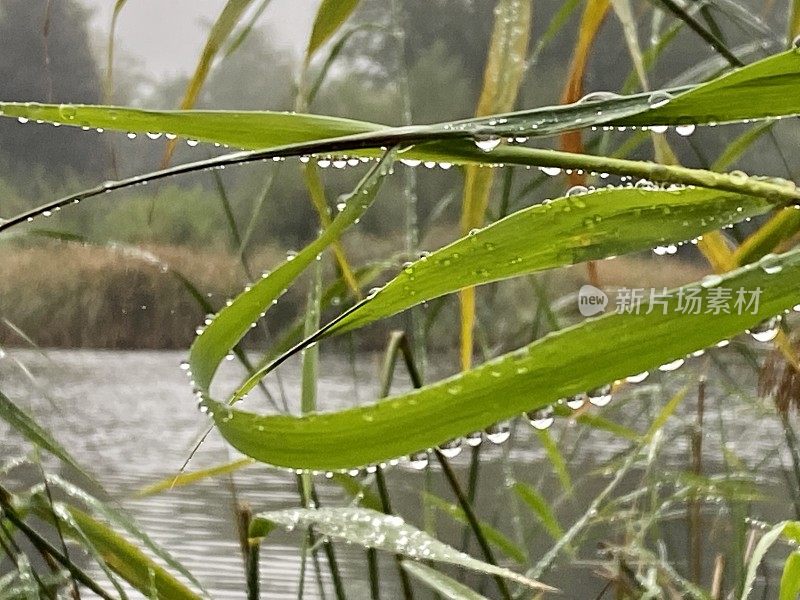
x=71, y=295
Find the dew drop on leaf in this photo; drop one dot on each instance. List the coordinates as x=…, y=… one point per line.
x=767, y=330
x=498, y=433
x=541, y=418
x=452, y=448
x=487, y=143
x=575, y=402
x=685, y=130
x=474, y=439
x=659, y=99
x=600, y=396
x=418, y=460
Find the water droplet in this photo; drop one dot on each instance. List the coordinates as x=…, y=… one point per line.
x=541, y=418
x=323, y=163
x=192, y=143
x=498, y=433
x=638, y=378
x=659, y=128
x=452, y=448
x=577, y=190
x=551, y=171
x=738, y=176
x=487, y=143
x=796, y=43
x=418, y=460
x=685, y=130
x=22, y=120
x=710, y=281
x=659, y=99
x=575, y=402
x=600, y=396
x=184, y=365
x=474, y=439
x=671, y=366
x=154, y=135
x=410, y=162
x=796, y=308
x=131, y=135
x=339, y=163
x=767, y=330
x=597, y=97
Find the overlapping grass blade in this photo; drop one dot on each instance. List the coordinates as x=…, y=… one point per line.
x=445, y=586
x=539, y=506
x=331, y=14
x=25, y=425
x=568, y=362
x=562, y=232
x=128, y=561
x=373, y=529
x=767, y=88
x=120, y=519
x=231, y=324
x=492, y=535
x=502, y=77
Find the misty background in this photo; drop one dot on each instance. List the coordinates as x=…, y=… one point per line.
x=57, y=52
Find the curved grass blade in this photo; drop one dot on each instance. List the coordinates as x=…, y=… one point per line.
x=565, y=231
x=128, y=561
x=190, y=477
x=492, y=535
x=790, y=578
x=554, y=367
x=331, y=14
x=764, y=544
x=37, y=435
x=767, y=88
x=234, y=321
x=121, y=520
x=443, y=585
x=372, y=529
x=540, y=508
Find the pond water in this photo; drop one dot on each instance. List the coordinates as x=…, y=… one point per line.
x=130, y=418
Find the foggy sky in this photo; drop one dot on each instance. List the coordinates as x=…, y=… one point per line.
x=167, y=36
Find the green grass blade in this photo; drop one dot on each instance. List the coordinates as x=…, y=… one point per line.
x=120, y=519
x=373, y=529
x=536, y=502
x=790, y=578
x=331, y=14
x=556, y=459
x=492, y=535
x=565, y=231
x=443, y=585
x=130, y=563
x=191, y=477
x=234, y=321
x=764, y=544
x=616, y=346
x=26, y=426
x=767, y=88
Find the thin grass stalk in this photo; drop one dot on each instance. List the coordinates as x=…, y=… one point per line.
x=718, y=577
x=43, y=546
x=466, y=506
x=57, y=523
x=250, y=551
x=415, y=318
x=695, y=517
x=387, y=376
x=13, y=551
x=472, y=519
x=794, y=450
